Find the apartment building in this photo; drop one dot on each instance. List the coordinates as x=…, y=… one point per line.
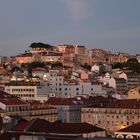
x=133, y=80
x=121, y=85
x=28, y=90
x=42, y=111
x=114, y=116
x=70, y=87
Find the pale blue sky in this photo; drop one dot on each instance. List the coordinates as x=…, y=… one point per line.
x=113, y=25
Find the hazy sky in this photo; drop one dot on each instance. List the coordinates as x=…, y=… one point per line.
x=113, y=25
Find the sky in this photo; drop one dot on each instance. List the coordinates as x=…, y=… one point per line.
x=113, y=25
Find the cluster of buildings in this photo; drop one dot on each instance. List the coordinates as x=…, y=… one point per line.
x=68, y=100
x=70, y=55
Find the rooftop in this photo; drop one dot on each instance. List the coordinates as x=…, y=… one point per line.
x=68, y=101
x=8, y=99
x=135, y=128
x=40, y=126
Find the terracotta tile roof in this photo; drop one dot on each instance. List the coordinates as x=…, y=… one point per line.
x=16, y=135
x=5, y=95
x=37, y=105
x=102, y=98
x=8, y=99
x=68, y=101
x=126, y=103
x=13, y=101
x=135, y=128
x=43, y=126
x=114, y=103
x=39, y=125
x=123, y=104
x=21, y=126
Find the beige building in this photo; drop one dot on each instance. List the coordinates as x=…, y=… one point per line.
x=42, y=111
x=114, y=116
x=27, y=90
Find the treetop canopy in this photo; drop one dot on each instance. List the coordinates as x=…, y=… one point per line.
x=40, y=45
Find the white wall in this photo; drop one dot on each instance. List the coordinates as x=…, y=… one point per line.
x=2, y=106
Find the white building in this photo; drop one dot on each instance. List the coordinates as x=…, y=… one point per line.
x=72, y=88
x=95, y=68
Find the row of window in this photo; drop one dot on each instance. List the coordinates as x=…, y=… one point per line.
x=59, y=79
x=17, y=108
x=70, y=89
x=115, y=123
x=111, y=111
x=25, y=95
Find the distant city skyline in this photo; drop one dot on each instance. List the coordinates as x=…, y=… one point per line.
x=113, y=25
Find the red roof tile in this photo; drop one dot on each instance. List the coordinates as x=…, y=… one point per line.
x=13, y=101
x=126, y=103
x=21, y=126
x=61, y=128
x=123, y=104
x=8, y=99
x=135, y=128
x=68, y=101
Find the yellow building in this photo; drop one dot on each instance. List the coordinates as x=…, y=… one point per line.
x=134, y=93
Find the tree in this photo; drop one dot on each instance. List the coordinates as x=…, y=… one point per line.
x=86, y=66
x=36, y=64
x=57, y=64
x=132, y=61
